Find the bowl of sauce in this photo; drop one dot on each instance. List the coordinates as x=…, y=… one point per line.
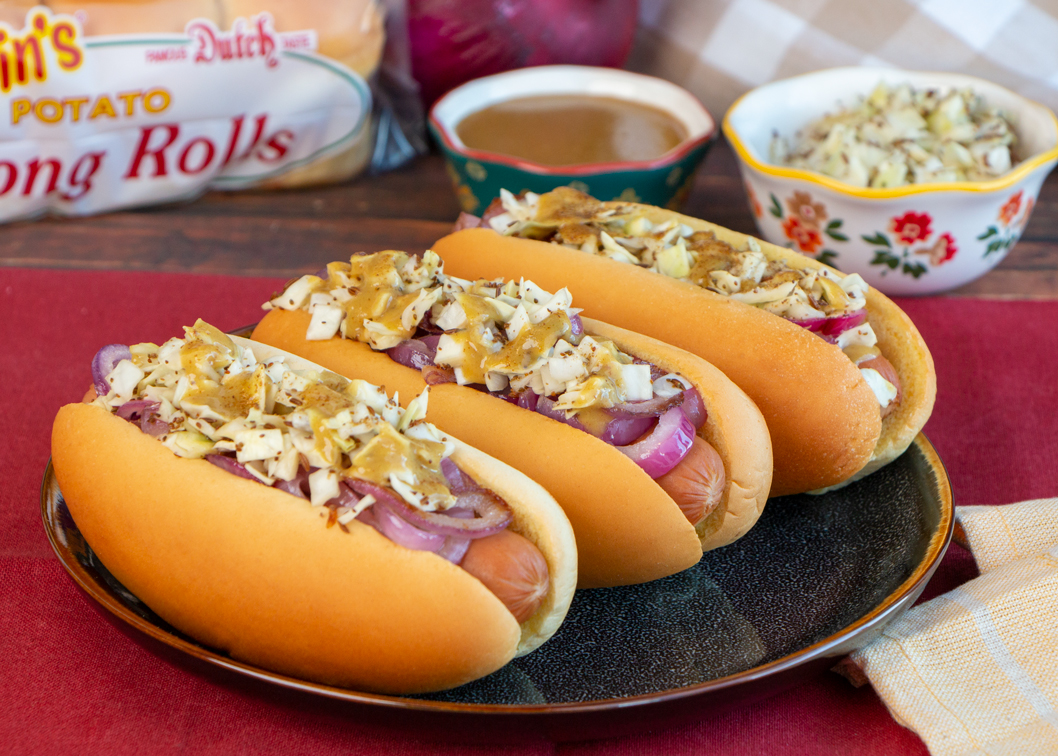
x=611, y=133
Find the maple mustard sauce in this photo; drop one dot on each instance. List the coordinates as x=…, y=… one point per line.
x=561, y=130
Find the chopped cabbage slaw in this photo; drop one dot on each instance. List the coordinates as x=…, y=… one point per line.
x=900, y=135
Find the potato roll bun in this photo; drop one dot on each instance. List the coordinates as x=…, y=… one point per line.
x=833, y=416
x=274, y=581
x=630, y=528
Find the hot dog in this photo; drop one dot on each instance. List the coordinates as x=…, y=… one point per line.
x=842, y=376
x=592, y=412
x=306, y=523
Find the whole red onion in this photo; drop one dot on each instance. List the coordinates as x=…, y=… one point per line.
x=454, y=42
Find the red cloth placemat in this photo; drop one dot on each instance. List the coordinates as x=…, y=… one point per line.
x=72, y=683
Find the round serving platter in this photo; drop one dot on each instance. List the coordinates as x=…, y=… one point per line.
x=817, y=577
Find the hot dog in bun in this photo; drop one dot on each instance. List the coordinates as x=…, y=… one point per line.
x=652, y=452
x=842, y=376
x=306, y=523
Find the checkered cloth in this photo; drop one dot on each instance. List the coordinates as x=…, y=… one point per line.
x=719, y=49
x=975, y=670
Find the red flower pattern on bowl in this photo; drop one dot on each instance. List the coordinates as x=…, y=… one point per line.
x=943, y=249
x=911, y=227
x=807, y=239
x=1009, y=211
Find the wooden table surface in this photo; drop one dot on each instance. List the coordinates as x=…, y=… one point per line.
x=293, y=232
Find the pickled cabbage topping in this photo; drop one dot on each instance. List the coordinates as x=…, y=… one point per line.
x=276, y=423
x=831, y=305
x=900, y=135
x=509, y=337
x=622, y=233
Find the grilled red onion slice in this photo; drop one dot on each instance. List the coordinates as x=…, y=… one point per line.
x=298, y=487
x=491, y=513
x=624, y=430
x=457, y=480
x=837, y=326
x=466, y=220
x=144, y=412
x=831, y=328
x=649, y=408
x=400, y=531
x=232, y=465
x=576, y=328
x=412, y=353
x=665, y=447
x=694, y=408
x=546, y=407
x=106, y=359
x=455, y=549
x=815, y=325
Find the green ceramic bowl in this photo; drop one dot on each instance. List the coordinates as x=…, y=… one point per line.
x=478, y=176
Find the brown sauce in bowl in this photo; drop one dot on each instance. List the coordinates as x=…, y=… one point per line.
x=562, y=130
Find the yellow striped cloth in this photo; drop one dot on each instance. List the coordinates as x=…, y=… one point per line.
x=975, y=670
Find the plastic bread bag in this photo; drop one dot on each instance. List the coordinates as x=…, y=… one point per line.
x=118, y=104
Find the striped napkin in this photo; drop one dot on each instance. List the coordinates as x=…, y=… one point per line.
x=975, y=670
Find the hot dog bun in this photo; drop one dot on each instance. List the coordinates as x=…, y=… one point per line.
x=628, y=530
x=255, y=572
x=824, y=420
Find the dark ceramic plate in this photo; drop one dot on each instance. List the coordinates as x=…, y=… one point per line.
x=817, y=577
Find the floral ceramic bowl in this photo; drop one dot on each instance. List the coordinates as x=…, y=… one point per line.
x=478, y=176
x=912, y=239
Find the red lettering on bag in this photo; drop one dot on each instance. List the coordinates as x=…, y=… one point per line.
x=144, y=149
x=185, y=156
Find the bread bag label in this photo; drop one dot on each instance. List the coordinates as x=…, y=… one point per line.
x=104, y=122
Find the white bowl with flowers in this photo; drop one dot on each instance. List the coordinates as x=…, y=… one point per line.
x=919, y=182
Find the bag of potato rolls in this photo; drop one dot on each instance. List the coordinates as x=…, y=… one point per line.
x=119, y=103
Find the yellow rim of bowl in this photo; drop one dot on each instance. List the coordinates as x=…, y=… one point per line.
x=1023, y=169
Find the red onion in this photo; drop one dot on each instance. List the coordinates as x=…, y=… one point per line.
x=831, y=328
x=457, y=480
x=453, y=42
x=454, y=549
x=546, y=407
x=412, y=353
x=665, y=447
x=622, y=431
x=106, y=359
x=812, y=324
x=398, y=530
x=495, y=208
x=145, y=412
x=492, y=514
x=528, y=400
x=649, y=408
x=694, y=408
x=299, y=486
x=232, y=465
x=840, y=324
x=576, y=328
x=431, y=343
x=466, y=220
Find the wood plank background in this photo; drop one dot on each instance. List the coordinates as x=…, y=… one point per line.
x=293, y=232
